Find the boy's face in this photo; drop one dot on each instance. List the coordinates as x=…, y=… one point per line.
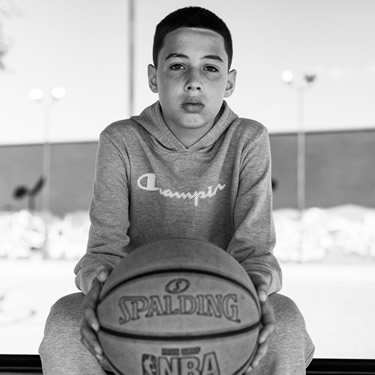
x=192, y=80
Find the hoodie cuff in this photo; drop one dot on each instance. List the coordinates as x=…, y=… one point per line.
x=84, y=280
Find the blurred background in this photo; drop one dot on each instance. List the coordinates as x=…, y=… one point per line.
x=306, y=70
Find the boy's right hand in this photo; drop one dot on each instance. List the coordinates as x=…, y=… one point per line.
x=90, y=323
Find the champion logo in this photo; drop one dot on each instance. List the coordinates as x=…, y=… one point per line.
x=148, y=182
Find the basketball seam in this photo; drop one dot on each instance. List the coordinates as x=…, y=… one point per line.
x=206, y=336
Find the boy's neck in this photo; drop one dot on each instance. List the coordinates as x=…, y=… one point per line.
x=189, y=137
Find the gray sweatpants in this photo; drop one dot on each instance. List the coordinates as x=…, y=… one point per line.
x=290, y=347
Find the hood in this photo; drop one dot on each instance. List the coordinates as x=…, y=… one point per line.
x=152, y=121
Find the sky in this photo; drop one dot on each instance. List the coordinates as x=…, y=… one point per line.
x=83, y=46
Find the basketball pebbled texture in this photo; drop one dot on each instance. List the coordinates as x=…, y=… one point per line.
x=179, y=307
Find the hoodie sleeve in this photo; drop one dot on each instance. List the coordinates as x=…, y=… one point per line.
x=108, y=214
x=254, y=238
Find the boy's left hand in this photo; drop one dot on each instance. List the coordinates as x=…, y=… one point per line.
x=268, y=320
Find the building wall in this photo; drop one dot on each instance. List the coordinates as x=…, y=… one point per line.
x=72, y=173
x=339, y=170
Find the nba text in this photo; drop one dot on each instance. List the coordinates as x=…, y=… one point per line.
x=207, y=365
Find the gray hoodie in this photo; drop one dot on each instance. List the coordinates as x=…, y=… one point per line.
x=149, y=186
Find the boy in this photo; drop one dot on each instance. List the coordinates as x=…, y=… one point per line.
x=187, y=166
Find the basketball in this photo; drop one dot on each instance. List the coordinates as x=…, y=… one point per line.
x=179, y=307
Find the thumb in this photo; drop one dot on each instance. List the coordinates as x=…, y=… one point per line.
x=262, y=292
x=102, y=273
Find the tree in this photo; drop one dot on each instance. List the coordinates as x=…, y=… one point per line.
x=6, y=9
x=23, y=191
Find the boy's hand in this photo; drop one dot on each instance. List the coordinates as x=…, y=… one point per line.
x=268, y=320
x=90, y=323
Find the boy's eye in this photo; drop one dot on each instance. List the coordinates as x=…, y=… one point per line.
x=177, y=67
x=211, y=68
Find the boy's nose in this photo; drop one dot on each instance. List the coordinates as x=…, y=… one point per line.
x=193, y=82
x=193, y=86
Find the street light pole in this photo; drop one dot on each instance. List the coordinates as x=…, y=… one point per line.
x=307, y=79
x=301, y=152
x=46, y=163
x=131, y=36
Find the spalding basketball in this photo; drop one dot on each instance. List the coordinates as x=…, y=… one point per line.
x=179, y=307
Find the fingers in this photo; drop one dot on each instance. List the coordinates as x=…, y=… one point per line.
x=268, y=321
x=262, y=348
x=90, y=341
x=268, y=326
x=89, y=305
x=248, y=371
x=90, y=323
x=261, y=352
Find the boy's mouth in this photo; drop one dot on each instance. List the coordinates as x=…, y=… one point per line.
x=192, y=106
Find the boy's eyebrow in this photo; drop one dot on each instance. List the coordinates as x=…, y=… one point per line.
x=214, y=57
x=181, y=55
x=175, y=54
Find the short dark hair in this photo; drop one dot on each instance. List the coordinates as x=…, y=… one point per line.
x=195, y=17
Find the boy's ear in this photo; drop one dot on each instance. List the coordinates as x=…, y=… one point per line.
x=231, y=83
x=152, y=80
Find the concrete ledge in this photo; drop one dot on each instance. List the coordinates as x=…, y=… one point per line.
x=30, y=364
